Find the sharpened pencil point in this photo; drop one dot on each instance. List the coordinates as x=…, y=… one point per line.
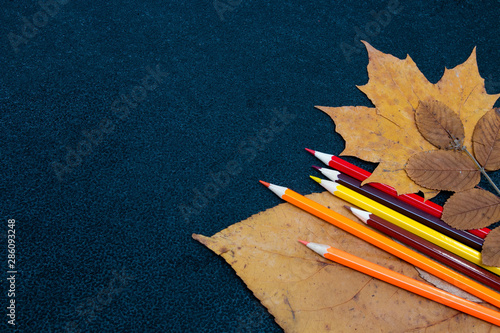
x=303, y=242
x=363, y=215
x=311, y=151
x=264, y=183
x=316, y=179
x=316, y=167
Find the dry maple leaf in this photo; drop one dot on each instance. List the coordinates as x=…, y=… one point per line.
x=376, y=139
x=387, y=134
x=307, y=293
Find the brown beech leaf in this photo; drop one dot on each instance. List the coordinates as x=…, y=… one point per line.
x=472, y=209
x=491, y=248
x=307, y=293
x=396, y=87
x=443, y=170
x=439, y=124
x=486, y=140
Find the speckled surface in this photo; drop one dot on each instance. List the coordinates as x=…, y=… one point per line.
x=126, y=126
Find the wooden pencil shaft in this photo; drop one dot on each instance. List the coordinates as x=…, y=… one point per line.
x=412, y=285
x=435, y=252
x=405, y=222
x=391, y=247
x=483, y=232
x=412, y=199
x=427, y=219
x=361, y=174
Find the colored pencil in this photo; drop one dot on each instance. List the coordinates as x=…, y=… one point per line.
x=402, y=207
x=405, y=222
x=461, y=265
x=405, y=282
x=386, y=244
x=360, y=174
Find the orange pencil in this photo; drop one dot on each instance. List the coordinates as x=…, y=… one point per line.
x=405, y=282
x=386, y=244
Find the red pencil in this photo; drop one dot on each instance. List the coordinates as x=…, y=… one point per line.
x=360, y=174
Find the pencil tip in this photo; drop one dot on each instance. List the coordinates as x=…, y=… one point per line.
x=316, y=167
x=363, y=215
x=264, y=183
x=316, y=179
x=311, y=151
x=303, y=242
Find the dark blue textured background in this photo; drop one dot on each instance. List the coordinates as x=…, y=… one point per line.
x=104, y=226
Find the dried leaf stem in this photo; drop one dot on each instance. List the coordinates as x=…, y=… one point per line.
x=481, y=169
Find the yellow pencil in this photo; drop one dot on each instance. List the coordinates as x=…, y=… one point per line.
x=377, y=239
x=405, y=222
x=405, y=282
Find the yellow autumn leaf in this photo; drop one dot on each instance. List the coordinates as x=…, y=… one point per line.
x=396, y=87
x=307, y=293
x=376, y=139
